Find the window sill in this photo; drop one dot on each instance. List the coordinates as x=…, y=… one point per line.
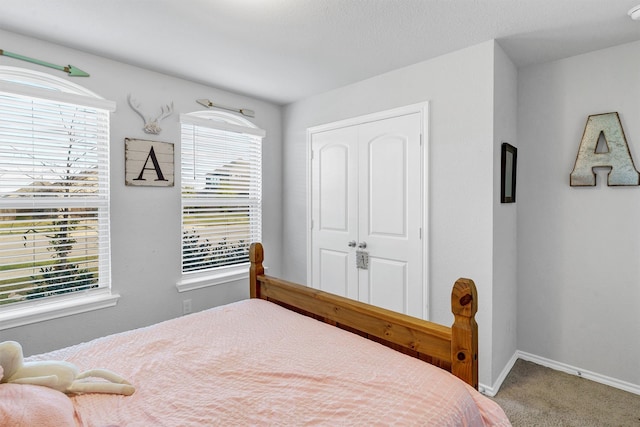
x=24, y=314
x=193, y=281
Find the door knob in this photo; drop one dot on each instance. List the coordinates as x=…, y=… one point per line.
x=362, y=245
x=352, y=244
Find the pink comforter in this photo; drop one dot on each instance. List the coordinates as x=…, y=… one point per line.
x=254, y=363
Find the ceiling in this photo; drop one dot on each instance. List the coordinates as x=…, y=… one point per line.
x=285, y=50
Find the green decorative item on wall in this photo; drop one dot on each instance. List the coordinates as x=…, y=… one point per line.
x=69, y=69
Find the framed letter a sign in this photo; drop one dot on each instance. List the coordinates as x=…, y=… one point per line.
x=148, y=163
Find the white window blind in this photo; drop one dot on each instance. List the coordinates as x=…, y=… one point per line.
x=54, y=195
x=221, y=190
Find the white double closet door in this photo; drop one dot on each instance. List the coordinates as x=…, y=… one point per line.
x=366, y=199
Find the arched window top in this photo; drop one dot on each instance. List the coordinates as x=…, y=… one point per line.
x=42, y=80
x=222, y=116
x=221, y=120
x=31, y=83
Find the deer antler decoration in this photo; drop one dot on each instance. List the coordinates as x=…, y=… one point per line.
x=151, y=125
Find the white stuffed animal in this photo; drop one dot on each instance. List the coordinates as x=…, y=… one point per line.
x=59, y=375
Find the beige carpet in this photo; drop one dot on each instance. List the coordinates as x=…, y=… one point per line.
x=533, y=395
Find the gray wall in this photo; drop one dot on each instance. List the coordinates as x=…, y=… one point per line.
x=578, y=248
x=505, y=243
x=145, y=221
x=462, y=193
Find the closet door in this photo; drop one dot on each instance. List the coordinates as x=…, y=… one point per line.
x=390, y=213
x=334, y=207
x=367, y=196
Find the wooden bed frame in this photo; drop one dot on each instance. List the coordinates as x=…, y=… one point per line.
x=454, y=348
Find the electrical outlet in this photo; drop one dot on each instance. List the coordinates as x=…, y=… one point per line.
x=186, y=306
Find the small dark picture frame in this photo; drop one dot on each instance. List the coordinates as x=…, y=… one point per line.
x=508, y=179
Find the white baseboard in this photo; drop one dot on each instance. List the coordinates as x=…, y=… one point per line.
x=491, y=391
x=563, y=367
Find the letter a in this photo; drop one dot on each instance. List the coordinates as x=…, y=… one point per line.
x=617, y=157
x=156, y=167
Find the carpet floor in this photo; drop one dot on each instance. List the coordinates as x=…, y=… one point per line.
x=533, y=395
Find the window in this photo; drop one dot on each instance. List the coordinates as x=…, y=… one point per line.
x=54, y=197
x=221, y=196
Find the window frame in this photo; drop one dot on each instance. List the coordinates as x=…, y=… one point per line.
x=218, y=121
x=36, y=85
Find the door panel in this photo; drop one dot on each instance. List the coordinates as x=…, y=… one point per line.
x=333, y=187
x=387, y=279
x=333, y=271
x=390, y=211
x=334, y=211
x=387, y=176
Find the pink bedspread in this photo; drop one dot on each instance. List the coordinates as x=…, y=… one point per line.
x=254, y=363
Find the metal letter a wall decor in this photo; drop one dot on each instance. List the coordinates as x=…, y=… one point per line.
x=615, y=155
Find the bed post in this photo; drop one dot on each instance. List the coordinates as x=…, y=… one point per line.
x=464, y=332
x=256, y=256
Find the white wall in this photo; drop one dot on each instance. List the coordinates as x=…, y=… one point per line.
x=578, y=248
x=504, y=218
x=145, y=222
x=459, y=87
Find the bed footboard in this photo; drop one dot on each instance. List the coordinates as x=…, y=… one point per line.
x=454, y=348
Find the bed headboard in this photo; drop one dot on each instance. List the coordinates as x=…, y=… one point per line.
x=454, y=348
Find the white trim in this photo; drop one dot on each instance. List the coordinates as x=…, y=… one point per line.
x=45, y=80
x=56, y=307
x=593, y=376
x=223, y=116
x=493, y=390
x=198, y=120
x=189, y=282
x=310, y=224
x=423, y=109
x=425, y=232
x=56, y=96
